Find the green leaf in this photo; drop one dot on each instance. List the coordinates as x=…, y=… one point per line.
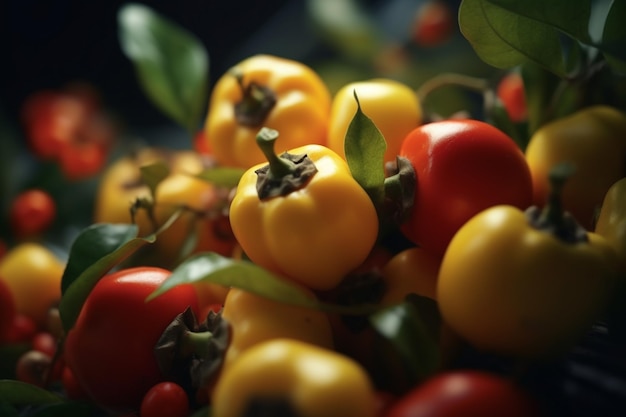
x=614, y=37
x=93, y=243
x=504, y=39
x=222, y=176
x=153, y=174
x=365, y=153
x=97, y=262
x=21, y=393
x=171, y=63
x=569, y=17
x=406, y=327
x=230, y=272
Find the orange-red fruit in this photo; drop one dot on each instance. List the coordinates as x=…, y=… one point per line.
x=32, y=212
x=510, y=91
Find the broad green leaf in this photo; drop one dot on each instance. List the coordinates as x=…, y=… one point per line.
x=505, y=39
x=408, y=331
x=222, y=176
x=365, y=153
x=120, y=247
x=91, y=264
x=171, y=63
x=21, y=393
x=93, y=243
x=614, y=37
x=569, y=17
x=153, y=174
x=229, y=272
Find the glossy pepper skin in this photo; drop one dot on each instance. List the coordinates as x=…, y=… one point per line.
x=525, y=283
x=392, y=106
x=254, y=319
x=110, y=348
x=594, y=139
x=462, y=167
x=314, y=234
x=306, y=381
x=265, y=90
x=611, y=225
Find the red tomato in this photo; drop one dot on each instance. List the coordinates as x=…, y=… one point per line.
x=71, y=387
x=32, y=212
x=8, y=311
x=110, y=348
x=165, y=399
x=434, y=23
x=465, y=393
x=510, y=91
x=462, y=168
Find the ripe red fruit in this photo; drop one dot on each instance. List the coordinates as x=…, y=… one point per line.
x=32, y=212
x=434, y=23
x=511, y=93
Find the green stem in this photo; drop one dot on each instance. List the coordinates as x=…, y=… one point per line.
x=196, y=343
x=278, y=167
x=552, y=213
x=452, y=79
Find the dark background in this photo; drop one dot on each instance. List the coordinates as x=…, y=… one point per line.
x=48, y=43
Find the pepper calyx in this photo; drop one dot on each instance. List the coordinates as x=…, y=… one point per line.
x=193, y=352
x=552, y=218
x=283, y=174
x=256, y=102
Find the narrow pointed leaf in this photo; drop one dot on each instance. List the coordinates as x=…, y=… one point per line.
x=365, y=152
x=229, y=272
x=171, y=63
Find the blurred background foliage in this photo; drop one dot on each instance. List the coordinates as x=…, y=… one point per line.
x=48, y=44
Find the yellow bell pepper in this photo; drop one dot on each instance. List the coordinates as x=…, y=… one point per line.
x=284, y=377
x=525, y=283
x=303, y=215
x=265, y=90
x=393, y=107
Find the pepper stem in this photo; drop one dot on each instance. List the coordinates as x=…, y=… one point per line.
x=553, y=213
x=196, y=343
x=278, y=167
x=282, y=174
x=553, y=218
